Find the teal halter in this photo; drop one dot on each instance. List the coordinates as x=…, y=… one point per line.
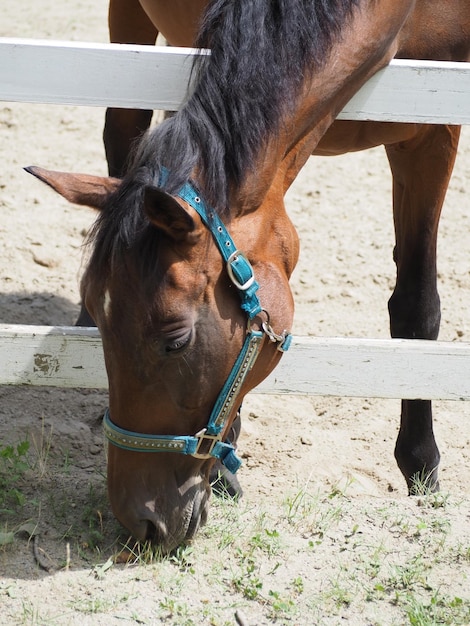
x=208, y=442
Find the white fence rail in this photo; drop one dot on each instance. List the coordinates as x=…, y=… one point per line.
x=377, y=368
x=157, y=78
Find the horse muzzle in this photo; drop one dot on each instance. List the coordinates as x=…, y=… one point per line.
x=166, y=517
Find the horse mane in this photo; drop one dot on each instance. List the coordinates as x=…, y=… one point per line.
x=261, y=53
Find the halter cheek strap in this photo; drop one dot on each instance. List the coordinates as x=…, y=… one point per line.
x=208, y=442
x=238, y=267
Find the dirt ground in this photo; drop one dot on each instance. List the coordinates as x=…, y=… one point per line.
x=341, y=208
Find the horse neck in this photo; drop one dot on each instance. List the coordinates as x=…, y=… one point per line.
x=367, y=45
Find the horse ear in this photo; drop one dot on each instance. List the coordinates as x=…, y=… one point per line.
x=92, y=191
x=167, y=214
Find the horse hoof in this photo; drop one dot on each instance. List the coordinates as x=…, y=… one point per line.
x=420, y=485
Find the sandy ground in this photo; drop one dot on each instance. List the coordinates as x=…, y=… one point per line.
x=341, y=207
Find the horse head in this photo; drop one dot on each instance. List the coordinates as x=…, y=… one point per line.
x=189, y=325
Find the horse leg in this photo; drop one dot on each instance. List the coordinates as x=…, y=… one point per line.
x=121, y=128
x=128, y=23
x=421, y=169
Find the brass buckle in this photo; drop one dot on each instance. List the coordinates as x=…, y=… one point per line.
x=202, y=438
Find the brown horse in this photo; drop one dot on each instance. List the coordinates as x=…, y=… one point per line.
x=190, y=324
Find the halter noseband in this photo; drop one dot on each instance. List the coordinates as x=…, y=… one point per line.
x=208, y=442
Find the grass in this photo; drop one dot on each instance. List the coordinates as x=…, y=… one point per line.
x=316, y=557
x=37, y=486
x=13, y=466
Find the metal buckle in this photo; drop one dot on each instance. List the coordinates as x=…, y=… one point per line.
x=202, y=437
x=283, y=340
x=233, y=257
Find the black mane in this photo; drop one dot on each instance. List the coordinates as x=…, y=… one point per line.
x=262, y=51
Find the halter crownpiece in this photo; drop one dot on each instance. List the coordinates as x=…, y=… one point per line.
x=208, y=443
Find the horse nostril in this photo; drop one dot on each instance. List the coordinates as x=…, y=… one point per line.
x=156, y=532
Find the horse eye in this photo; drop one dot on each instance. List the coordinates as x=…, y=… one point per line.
x=178, y=343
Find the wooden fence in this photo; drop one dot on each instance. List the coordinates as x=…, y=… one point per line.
x=158, y=78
